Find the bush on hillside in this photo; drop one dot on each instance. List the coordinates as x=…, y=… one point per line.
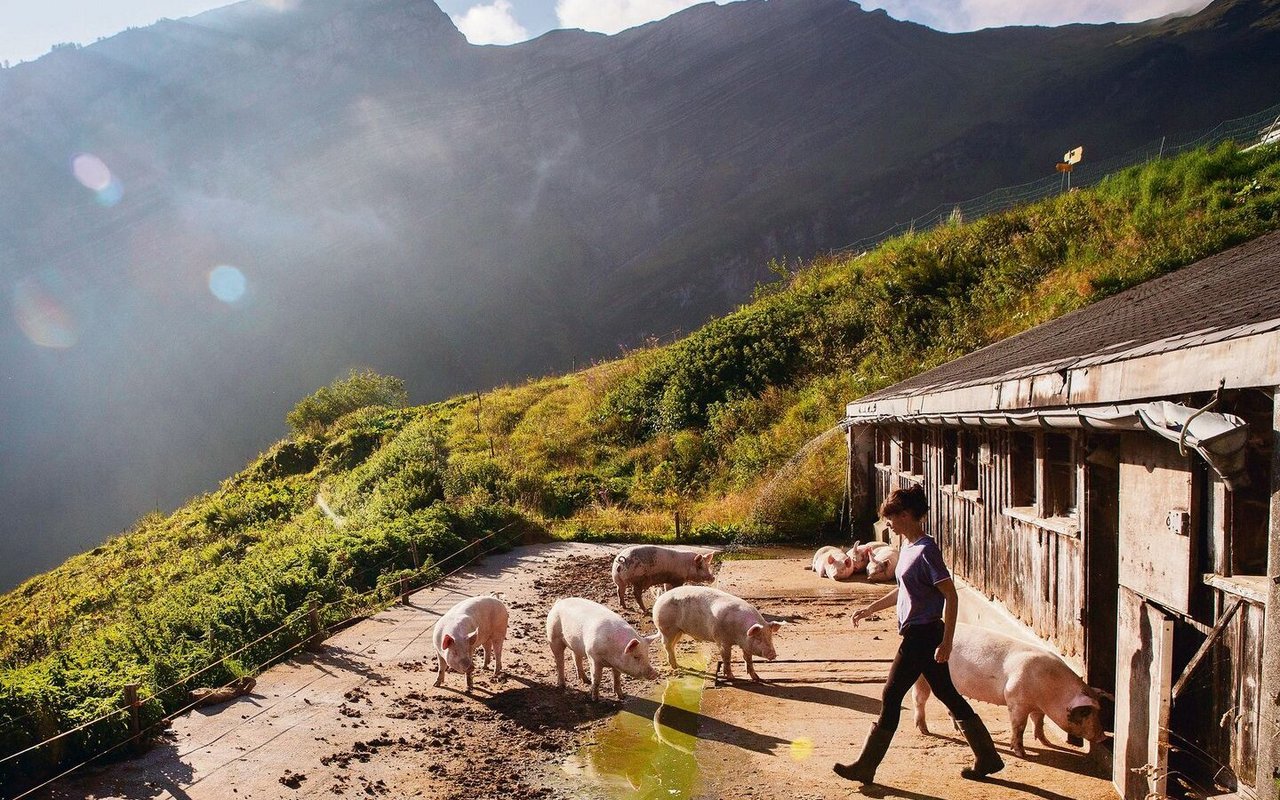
x=360, y=389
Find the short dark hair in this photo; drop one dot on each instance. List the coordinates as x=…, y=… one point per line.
x=910, y=500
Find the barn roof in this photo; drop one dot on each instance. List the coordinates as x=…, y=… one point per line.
x=1207, y=306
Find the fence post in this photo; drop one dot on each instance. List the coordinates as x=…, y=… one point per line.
x=404, y=591
x=313, y=623
x=677, y=525
x=413, y=551
x=135, y=715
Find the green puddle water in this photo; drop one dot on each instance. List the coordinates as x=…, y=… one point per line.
x=638, y=756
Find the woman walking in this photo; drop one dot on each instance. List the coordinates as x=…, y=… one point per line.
x=926, y=601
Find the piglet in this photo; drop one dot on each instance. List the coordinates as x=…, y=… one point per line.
x=643, y=565
x=597, y=633
x=834, y=563
x=711, y=615
x=882, y=563
x=475, y=622
x=1032, y=681
x=861, y=554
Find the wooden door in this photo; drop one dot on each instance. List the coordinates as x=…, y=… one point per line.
x=1144, y=684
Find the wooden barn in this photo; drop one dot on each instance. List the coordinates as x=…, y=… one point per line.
x=1109, y=478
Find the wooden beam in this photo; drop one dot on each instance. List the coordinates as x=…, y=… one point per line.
x=1218, y=627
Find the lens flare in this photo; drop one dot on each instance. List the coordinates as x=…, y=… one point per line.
x=227, y=283
x=41, y=315
x=801, y=748
x=111, y=195
x=94, y=175
x=91, y=172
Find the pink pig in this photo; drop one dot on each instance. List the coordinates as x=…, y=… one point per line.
x=861, y=554
x=1032, y=681
x=597, y=634
x=475, y=622
x=711, y=615
x=643, y=565
x=834, y=563
x=883, y=562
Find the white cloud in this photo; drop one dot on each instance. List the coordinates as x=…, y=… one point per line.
x=968, y=15
x=491, y=24
x=611, y=16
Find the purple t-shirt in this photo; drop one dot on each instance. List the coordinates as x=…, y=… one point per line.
x=920, y=569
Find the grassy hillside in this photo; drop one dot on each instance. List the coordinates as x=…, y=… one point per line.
x=353, y=502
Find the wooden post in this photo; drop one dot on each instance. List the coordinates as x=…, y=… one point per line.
x=313, y=622
x=135, y=715
x=404, y=591
x=677, y=525
x=413, y=551
x=1267, y=778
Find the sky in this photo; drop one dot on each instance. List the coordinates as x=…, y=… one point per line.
x=28, y=28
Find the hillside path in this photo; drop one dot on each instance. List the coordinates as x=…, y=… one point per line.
x=361, y=717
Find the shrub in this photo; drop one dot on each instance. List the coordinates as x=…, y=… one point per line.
x=360, y=389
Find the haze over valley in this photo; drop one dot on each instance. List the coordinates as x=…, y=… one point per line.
x=204, y=220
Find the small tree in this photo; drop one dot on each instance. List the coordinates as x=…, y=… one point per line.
x=360, y=389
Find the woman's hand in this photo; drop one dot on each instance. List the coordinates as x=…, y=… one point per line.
x=943, y=653
x=861, y=614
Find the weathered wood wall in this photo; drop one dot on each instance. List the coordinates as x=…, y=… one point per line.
x=1035, y=571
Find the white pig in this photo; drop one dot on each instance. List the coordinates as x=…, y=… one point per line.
x=475, y=622
x=834, y=563
x=861, y=554
x=883, y=562
x=594, y=632
x=643, y=565
x=711, y=615
x=1032, y=681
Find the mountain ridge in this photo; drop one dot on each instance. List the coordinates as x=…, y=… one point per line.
x=466, y=215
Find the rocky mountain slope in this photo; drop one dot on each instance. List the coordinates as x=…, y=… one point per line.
x=463, y=216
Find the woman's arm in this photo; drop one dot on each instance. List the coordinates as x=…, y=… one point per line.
x=884, y=602
x=949, y=611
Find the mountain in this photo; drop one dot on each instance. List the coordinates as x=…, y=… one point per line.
x=464, y=216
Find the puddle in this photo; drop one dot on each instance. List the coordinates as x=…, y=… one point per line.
x=647, y=751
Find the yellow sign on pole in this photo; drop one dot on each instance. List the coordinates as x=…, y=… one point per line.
x=1074, y=156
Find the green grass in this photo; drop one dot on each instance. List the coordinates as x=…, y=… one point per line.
x=698, y=427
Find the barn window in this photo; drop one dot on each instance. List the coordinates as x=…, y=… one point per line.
x=913, y=450
x=884, y=440
x=968, y=461
x=1022, y=469
x=950, y=456
x=1059, y=475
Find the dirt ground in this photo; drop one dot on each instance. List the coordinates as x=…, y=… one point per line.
x=361, y=717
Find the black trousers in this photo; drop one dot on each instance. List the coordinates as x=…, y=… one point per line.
x=915, y=658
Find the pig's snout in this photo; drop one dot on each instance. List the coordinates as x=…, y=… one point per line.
x=1087, y=723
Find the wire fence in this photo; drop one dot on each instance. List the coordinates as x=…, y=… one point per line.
x=1262, y=126
x=359, y=607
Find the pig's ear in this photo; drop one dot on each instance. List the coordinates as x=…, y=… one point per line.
x=472, y=636
x=447, y=642
x=631, y=645
x=700, y=559
x=1084, y=700
x=755, y=630
x=831, y=559
x=651, y=638
x=776, y=624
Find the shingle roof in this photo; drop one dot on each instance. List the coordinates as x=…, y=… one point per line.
x=1234, y=293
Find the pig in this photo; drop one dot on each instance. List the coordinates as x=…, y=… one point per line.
x=597, y=633
x=643, y=565
x=834, y=563
x=882, y=563
x=475, y=622
x=711, y=615
x=862, y=552
x=1032, y=681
